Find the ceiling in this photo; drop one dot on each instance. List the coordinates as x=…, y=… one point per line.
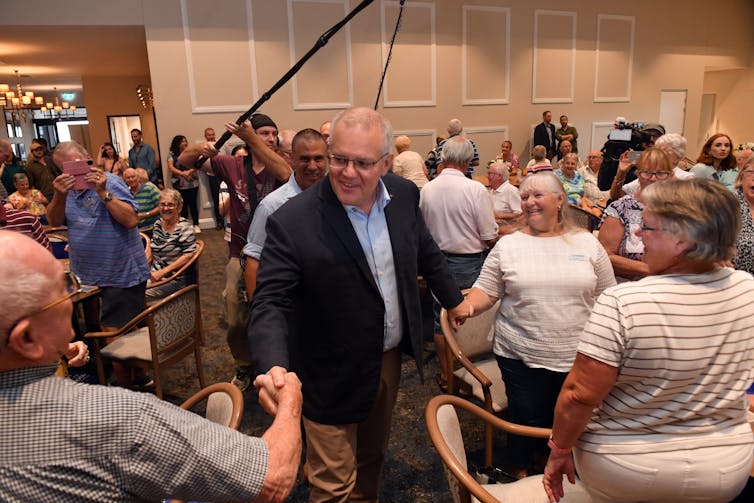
x=58, y=56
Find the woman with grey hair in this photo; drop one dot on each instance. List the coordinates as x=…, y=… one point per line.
x=173, y=243
x=654, y=408
x=548, y=275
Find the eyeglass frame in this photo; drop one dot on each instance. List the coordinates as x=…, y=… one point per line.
x=167, y=205
x=77, y=288
x=646, y=228
x=342, y=162
x=648, y=174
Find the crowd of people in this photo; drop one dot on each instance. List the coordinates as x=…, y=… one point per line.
x=633, y=345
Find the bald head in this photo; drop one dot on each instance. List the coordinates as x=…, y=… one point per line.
x=286, y=145
x=324, y=130
x=594, y=160
x=30, y=274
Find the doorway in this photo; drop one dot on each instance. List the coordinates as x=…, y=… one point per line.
x=120, y=127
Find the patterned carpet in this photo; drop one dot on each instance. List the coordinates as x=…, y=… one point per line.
x=413, y=471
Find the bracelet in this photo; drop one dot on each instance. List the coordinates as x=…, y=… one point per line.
x=557, y=450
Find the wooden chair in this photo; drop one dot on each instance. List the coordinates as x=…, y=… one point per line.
x=190, y=267
x=445, y=433
x=147, y=241
x=224, y=404
x=172, y=332
x=471, y=347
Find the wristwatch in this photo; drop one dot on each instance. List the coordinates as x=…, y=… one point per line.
x=108, y=197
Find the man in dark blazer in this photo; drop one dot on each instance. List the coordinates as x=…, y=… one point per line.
x=337, y=301
x=544, y=134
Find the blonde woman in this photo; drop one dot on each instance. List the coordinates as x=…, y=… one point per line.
x=548, y=275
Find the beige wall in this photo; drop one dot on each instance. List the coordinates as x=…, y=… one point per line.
x=491, y=85
x=105, y=96
x=734, y=93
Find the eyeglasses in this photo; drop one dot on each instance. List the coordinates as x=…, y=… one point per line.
x=661, y=175
x=72, y=288
x=168, y=205
x=37, y=149
x=646, y=228
x=339, y=161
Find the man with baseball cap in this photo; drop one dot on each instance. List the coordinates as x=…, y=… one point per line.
x=249, y=180
x=651, y=131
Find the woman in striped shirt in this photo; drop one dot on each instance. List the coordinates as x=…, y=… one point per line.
x=654, y=408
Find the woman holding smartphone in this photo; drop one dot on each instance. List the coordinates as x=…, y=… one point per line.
x=185, y=180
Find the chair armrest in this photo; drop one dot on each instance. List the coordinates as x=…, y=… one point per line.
x=457, y=353
x=183, y=268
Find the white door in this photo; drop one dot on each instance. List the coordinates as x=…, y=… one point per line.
x=673, y=109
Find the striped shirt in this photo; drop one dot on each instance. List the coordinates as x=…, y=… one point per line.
x=147, y=199
x=64, y=441
x=103, y=252
x=25, y=223
x=167, y=247
x=684, y=346
x=548, y=286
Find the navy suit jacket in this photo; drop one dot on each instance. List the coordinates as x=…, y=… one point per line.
x=317, y=309
x=541, y=138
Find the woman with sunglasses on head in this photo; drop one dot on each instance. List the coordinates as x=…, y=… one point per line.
x=173, y=243
x=622, y=218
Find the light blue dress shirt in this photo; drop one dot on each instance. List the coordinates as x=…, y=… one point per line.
x=257, y=230
x=375, y=241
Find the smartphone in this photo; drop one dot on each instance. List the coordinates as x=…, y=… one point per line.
x=633, y=156
x=79, y=169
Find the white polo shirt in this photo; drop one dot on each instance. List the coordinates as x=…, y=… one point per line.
x=458, y=212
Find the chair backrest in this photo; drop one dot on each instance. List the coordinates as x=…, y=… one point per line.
x=581, y=217
x=174, y=320
x=224, y=404
x=450, y=429
x=475, y=336
x=147, y=242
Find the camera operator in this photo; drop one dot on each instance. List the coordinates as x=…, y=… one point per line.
x=625, y=136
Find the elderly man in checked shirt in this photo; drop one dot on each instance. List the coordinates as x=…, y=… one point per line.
x=64, y=441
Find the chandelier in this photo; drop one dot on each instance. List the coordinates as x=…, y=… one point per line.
x=144, y=93
x=23, y=103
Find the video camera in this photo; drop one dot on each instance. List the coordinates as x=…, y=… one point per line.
x=625, y=136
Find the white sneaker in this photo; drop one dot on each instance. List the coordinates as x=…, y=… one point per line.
x=197, y=229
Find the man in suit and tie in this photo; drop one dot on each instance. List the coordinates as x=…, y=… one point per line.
x=544, y=134
x=337, y=301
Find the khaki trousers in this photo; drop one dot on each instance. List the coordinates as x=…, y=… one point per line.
x=237, y=313
x=345, y=461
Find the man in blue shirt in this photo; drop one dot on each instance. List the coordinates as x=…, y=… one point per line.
x=105, y=247
x=142, y=155
x=309, y=158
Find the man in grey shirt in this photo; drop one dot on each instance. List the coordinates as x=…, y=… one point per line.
x=73, y=442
